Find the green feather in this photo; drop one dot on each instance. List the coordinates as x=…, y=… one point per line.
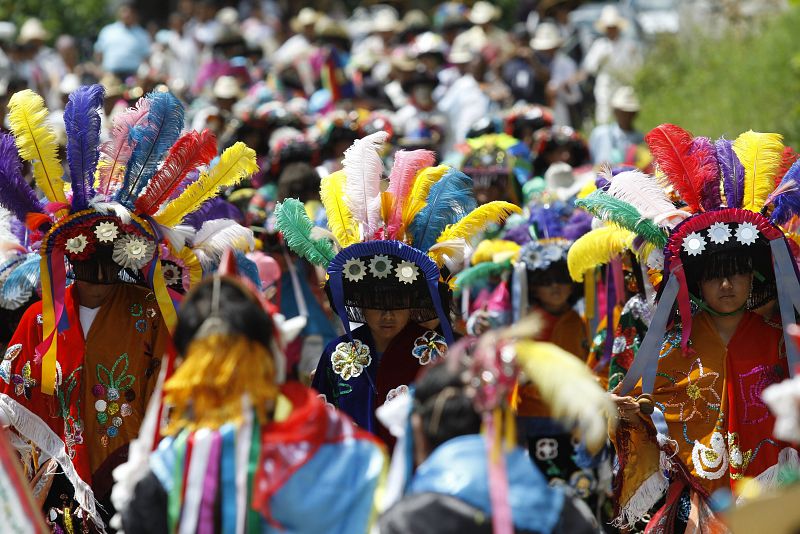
x=291, y=219
x=480, y=273
x=611, y=209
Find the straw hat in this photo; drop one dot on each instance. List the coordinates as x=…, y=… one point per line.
x=227, y=87
x=460, y=56
x=328, y=27
x=32, y=30
x=306, y=17
x=428, y=43
x=625, y=99
x=547, y=37
x=483, y=12
x=610, y=17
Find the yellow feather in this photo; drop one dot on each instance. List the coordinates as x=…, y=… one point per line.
x=237, y=162
x=760, y=154
x=36, y=142
x=340, y=219
x=419, y=191
x=476, y=221
x=387, y=204
x=596, y=248
x=570, y=389
x=494, y=250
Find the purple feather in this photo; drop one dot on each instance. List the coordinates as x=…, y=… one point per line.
x=547, y=220
x=710, y=195
x=602, y=182
x=519, y=234
x=16, y=194
x=578, y=224
x=82, y=123
x=188, y=180
x=215, y=208
x=19, y=231
x=787, y=204
x=732, y=173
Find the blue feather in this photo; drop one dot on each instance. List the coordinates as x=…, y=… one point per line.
x=82, y=123
x=23, y=280
x=153, y=139
x=787, y=204
x=16, y=195
x=247, y=268
x=449, y=200
x=732, y=173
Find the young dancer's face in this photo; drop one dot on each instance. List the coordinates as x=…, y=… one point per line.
x=386, y=324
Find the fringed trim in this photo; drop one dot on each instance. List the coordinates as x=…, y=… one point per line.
x=30, y=426
x=788, y=459
x=668, y=449
x=646, y=496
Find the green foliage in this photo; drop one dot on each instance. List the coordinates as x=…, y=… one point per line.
x=80, y=18
x=716, y=86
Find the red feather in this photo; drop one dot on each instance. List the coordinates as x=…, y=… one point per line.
x=190, y=151
x=687, y=170
x=789, y=156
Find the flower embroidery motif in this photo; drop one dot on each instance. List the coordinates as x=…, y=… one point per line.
x=24, y=384
x=354, y=270
x=106, y=232
x=429, y=347
x=699, y=389
x=407, y=272
x=11, y=354
x=132, y=252
x=694, y=244
x=710, y=462
x=77, y=244
x=112, y=385
x=739, y=460
x=380, y=266
x=719, y=233
x=746, y=233
x=751, y=385
x=349, y=359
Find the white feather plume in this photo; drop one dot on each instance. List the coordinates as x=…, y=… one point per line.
x=363, y=169
x=177, y=236
x=319, y=232
x=113, y=208
x=643, y=192
x=214, y=237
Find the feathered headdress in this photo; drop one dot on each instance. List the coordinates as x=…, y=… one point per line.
x=121, y=196
x=731, y=204
x=385, y=245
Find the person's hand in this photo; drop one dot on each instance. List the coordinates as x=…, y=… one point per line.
x=629, y=410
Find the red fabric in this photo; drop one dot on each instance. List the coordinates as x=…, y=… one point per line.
x=288, y=445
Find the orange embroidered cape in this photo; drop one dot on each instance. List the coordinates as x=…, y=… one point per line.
x=711, y=400
x=103, y=383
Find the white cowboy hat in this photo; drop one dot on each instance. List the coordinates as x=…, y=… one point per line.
x=547, y=37
x=625, y=99
x=32, y=30
x=306, y=17
x=227, y=87
x=385, y=21
x=483, y=12
x=610, y=17
x=460, y=56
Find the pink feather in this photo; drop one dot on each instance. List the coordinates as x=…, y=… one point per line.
x=406, y=166
x=114, y=154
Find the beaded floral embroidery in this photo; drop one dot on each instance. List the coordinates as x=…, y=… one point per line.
x=396, y=392
x=350, y=359
x=710, y=462
x=699, y=395
x=73, y=425
x=113, y=393
x=11, y=354
x=23, y=383
x=751, y=385
x=429, y=347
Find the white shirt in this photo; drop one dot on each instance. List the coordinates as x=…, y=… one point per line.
x=87, y=317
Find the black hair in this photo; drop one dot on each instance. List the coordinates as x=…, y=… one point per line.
x=102, y=263
x=239, y=309
x=729, y=261
x=442, y=403
x=556, y=273
x=298, y=180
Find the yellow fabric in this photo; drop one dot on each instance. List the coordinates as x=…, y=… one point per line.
x=162, y=297
x=48, y=328
x=206, y=390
